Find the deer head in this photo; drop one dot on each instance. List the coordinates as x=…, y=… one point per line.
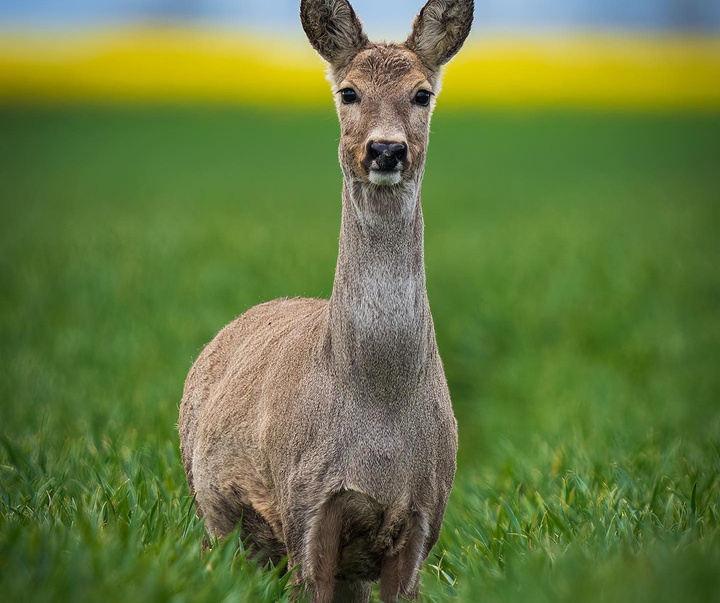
x=385, y=93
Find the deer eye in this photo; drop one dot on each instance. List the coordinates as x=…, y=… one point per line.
x=422, y=98
x=349, y=96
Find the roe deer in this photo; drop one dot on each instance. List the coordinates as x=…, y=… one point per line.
x=325, y=427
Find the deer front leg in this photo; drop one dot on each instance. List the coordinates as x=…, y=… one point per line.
x=314, y=549
x=399, y=572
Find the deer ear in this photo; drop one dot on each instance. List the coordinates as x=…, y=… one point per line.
x=333, y=29
x=440, y=30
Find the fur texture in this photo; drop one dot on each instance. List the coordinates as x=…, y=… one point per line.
x=440, y=30
x=333, y=29
x=325, y=427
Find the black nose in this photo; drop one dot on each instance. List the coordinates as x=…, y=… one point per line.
x=387, y=154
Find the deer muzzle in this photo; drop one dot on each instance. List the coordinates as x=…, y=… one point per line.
x=386, y=156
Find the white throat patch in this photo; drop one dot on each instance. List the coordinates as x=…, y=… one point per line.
x=384, y=178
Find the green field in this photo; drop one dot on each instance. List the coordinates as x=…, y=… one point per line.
x=574, y=276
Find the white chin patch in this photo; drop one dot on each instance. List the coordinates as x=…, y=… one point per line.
x=385, y=178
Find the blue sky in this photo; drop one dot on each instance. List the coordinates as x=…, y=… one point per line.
x=382, y=17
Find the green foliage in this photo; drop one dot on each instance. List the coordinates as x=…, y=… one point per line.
x=112, y=520
x=572, y=270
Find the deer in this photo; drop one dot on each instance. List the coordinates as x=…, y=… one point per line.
x=324, y=429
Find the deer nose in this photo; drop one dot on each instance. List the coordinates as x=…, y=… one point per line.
x=387, y=155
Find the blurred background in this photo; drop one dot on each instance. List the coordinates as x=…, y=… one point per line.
x=280, y=14
x=646, y=52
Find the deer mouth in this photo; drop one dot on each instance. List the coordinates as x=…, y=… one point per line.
x=384, y=177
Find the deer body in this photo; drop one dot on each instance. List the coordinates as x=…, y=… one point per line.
x=325, y=427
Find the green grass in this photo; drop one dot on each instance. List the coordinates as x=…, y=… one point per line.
x=573, y=269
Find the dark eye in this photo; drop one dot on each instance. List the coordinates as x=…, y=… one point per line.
x=422, y=98
x=349, y=96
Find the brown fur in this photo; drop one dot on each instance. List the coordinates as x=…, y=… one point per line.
x=325, y=427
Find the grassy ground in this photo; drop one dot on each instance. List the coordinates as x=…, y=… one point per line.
x=573, y=274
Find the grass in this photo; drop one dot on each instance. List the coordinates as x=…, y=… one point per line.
x=572, y=268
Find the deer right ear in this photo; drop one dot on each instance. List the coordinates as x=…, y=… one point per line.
x=333, y=29
x=440, y=30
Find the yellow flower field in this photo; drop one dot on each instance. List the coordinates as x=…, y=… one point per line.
x=194, y=65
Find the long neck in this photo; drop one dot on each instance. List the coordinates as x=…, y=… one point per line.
x=380, y=328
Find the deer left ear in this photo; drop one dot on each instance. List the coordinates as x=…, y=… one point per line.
x=333, y=29
x=440, y=30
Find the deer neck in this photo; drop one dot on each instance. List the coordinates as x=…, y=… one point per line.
x=380, y=328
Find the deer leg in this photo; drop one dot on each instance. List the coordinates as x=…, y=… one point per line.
x=399, y=574
x=294, y=537
x=390, y=578
x=323, y=552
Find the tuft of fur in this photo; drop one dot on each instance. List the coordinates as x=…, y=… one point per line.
x=324, y=427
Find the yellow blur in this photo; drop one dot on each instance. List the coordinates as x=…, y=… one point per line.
x=190, y=65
